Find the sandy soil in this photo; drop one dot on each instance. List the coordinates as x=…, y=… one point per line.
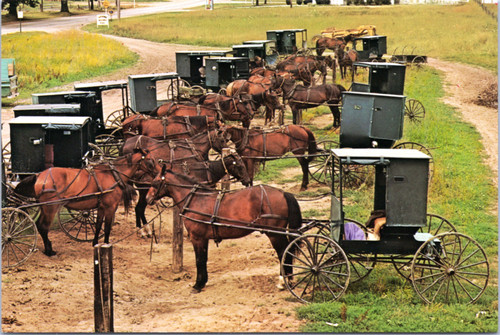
x=56, y=294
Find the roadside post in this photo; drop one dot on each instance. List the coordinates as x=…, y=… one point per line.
x=20, y=16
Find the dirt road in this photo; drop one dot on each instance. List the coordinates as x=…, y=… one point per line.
x=56, y=294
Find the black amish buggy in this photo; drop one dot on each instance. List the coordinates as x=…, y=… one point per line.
x=223, y=70
x=288, y=41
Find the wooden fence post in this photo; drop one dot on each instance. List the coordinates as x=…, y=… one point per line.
x=177, y=241
x=103, y=288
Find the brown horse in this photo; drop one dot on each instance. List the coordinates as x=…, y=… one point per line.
x=183, y=156
x=304, y=67
x=323, y=43
x=101, y=186
x=346, y=59
x=168, y=127
x=260, y=91
x=257, y=145
x=301, y=97
x=212, y=215
x=223, y=107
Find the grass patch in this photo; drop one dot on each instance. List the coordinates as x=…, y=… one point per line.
x=434, y=30
x=45, y=60
x=460, y=191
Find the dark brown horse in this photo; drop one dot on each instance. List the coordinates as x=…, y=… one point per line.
x=222, y=107
x=323, y=43
x=301, y=97
x=257, y=145
x=259, y=90
x=183, y=156
x=212, y=215
x=304, y=67
x=346, y=59
x=167, y=127
x=102, y=186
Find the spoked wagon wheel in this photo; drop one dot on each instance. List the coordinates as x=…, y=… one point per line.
x=450, y=268
x=320, y=168
x=435, y=225
x=19, y=236
x=414, y=111
x=320, y=269
x=109, y=144
x=418, y=61
x=421, y=148
x=79, y=225
x=176, y=92
x=7, y=162
x=114, y=120
x=361, y=264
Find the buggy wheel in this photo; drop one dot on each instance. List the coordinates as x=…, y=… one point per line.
x=320, y=168
x=79, y=224
x=109, y=145
x=435, y=225
x=418, y=61
x=450, y=268
x=414, y=110
x=421, y=148
x=361, y=264
x=320, y=269
x=7, y=162
x=178, y=92
x=114, y=120
x=19, y=236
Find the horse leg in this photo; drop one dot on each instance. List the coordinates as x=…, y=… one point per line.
x=304, y=164
x=46, y=217
x=98, y=225
x=279, y=243
x=200, y=246
x=140, y=214
x=336, y=113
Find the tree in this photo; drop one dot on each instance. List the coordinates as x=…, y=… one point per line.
x=64, y=6
x=11, y=5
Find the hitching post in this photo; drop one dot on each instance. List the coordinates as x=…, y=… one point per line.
x=177, y=240
x=103, y=288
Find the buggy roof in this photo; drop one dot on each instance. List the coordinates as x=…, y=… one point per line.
x=156, y=76
x=51, y=120
x=258, y=42
x=287, y=30
x=63, y=93
x=370, y=37
x=379, y=65
x=372, y=154
x=204, y=52
x=248, y=46
x=47, y=107
x=102, y=85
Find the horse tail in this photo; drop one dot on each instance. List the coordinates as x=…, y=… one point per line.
x=294, y=213
x=129, y=194
x=229, y=89
x=312, y=147
x=316, y=37
x=154, y=112
x=341, y=88
x=26, y=186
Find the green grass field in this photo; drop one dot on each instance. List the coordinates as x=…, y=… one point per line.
x=460, y=189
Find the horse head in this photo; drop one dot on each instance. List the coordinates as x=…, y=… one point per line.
x=235, y=167
x=132, y=125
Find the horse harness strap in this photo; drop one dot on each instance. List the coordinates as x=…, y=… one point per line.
x=215, y=229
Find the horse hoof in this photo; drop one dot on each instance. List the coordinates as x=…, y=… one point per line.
x=195, y=290
x=50, y=253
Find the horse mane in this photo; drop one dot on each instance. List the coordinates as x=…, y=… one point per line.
x=26, y=186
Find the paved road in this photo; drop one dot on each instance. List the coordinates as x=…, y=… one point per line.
x=74, y=22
